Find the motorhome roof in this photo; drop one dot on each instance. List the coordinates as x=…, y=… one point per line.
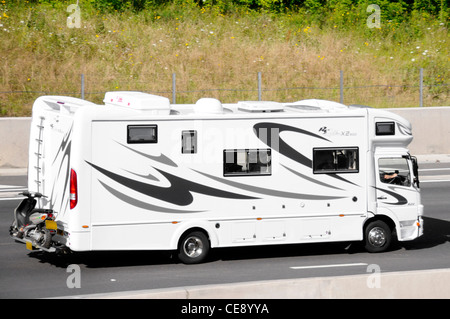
x=148, y=102
x=253, y=107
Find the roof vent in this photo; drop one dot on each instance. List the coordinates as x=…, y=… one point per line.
x=325, y=105
x=260, y=106
x=208, y=105
x=139, y=101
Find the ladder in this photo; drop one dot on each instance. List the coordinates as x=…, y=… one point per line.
x=39, y=155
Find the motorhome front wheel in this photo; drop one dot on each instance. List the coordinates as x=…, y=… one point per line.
x=378, y=237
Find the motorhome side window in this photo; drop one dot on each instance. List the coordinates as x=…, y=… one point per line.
x=189, y=142
x=142, y=134
x=247, y=162
x=394, y=171
x=341, y=160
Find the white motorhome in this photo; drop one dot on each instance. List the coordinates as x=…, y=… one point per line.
x=138, y=173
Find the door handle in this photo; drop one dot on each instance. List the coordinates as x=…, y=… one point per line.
x=382, y=197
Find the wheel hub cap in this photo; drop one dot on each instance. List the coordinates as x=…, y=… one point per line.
x=377, y=237
x=193, y=247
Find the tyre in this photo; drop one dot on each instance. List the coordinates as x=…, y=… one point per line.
x=193, y=247
x=377, y=236
x=45, y=239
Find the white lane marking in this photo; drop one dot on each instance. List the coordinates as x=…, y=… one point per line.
x=433, y=169
x=330, y=266
x=11, y=186
x=11, y=198
x=435, y=181
x=13, y=190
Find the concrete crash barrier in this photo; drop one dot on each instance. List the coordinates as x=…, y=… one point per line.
x=421, y=284
x=430, y=130
x=14, y=141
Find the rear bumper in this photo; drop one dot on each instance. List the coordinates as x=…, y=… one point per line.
x=33, y=246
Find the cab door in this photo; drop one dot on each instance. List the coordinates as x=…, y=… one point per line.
x=395, y=187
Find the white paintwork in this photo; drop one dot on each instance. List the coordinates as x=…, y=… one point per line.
x=145, y=196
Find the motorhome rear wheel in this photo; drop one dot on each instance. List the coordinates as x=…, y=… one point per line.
x=194, y=247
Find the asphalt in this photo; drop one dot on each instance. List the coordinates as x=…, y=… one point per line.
x=434, y=282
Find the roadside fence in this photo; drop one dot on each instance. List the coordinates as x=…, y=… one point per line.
x=380, y=95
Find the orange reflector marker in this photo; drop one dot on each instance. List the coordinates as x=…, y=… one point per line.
x=341, y=215
x=259, y=218
x=418, y=224
x=85, y=226
x=175, y=222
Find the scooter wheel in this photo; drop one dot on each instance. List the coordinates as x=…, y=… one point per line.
x=45, y=240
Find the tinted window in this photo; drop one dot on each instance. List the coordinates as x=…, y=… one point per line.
x=142, y=134
x=247, y=162
x=342, y=160
x=385, y=128
x=189, y=142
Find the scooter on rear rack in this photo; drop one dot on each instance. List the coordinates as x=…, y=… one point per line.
x=33, y=226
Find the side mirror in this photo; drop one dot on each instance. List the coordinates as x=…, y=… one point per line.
x=415, y=170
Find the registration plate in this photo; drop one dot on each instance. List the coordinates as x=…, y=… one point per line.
x=50, y=224
x=29, y=245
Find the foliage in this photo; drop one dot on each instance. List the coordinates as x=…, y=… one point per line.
x=218, y=47
x=397, y=9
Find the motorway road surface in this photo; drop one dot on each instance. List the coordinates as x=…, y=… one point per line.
x=25, y=274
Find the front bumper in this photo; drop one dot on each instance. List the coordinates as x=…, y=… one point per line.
x=410, y=230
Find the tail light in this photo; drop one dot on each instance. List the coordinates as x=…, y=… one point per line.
x=73, y=189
